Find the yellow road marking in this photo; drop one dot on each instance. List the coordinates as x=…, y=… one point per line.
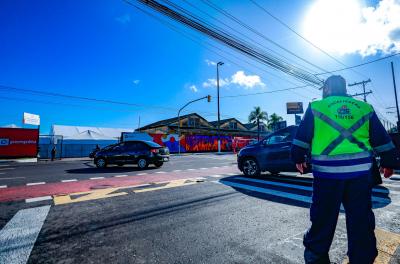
x=113, y=192
x=87, y=196
x=387, y=243
x=171, y=184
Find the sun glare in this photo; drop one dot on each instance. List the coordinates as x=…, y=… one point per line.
x=331, y=24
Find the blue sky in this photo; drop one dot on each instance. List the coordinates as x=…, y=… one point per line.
x=110, y=50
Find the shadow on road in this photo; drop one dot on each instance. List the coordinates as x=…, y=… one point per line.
x=110, y=169
x=291, y=190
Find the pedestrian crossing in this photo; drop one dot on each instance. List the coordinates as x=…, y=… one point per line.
x=300, y=188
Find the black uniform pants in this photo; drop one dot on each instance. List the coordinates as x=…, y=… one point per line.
x=328, y=194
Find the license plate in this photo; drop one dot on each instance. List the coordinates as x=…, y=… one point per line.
x=166, y=159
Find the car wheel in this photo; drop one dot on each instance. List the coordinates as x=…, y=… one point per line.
x=250, y=167
x=158, y=164
x=101, y=163
x=274, y=172
x=142, y=163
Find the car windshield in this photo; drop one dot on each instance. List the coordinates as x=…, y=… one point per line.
x=152, y=144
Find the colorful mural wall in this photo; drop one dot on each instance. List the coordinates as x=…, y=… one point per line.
x=193, y=143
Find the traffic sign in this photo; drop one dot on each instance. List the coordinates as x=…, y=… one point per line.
x=294, y=108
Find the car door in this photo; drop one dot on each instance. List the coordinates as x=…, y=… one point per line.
x=117, y=154
x=131, y=152
x=277, y=154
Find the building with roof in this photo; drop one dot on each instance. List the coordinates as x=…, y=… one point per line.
x=196, y=124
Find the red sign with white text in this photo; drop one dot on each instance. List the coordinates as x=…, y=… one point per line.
x=18, y=142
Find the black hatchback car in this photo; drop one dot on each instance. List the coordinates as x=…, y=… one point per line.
x=138, y=152
x=272, y=154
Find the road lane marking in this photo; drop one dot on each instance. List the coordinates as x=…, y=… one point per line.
x=35, y=183
x=231, y=174
x=144, y=173
x=3, y=186
x=87, y=196
x=113, y=192
x=38, y=199
x=160, y=172
x=215, y=167
x=216, y=176
x=177, y=170
x=300, y=187
x=171, y=184
x=19, y=235
x=7, y=169
x=119, y=176
x=191, y=169
x=292, y=196
x=11, y=178
x=96, y=178
x=71, y=180
x=203, y=168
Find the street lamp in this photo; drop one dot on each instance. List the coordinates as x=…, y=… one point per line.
x=219, y=133
x=208, y=97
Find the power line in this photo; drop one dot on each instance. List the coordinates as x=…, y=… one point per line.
x=359, y=65
x=35, y=92
x=238, y=21
x=193, y=38
x=225, y=38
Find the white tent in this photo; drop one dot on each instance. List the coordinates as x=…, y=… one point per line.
x=88, y=133
x=78, y=141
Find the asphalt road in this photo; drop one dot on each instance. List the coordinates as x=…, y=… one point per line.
x=197, y=210
x=63, y=170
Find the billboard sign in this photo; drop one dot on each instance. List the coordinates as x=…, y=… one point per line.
x=294, y=108
x=31, y=119
x=18, y=142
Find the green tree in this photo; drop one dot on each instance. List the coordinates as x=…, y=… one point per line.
x=273, y=120
x=256, y=116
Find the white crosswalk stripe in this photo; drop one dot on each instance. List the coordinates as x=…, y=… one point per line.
x=285, y=185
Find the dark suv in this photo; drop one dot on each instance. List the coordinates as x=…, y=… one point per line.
x=138, y=152
x=271, y=154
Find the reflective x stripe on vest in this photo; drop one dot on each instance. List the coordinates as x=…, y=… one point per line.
x=340, y=146
x=344, y=133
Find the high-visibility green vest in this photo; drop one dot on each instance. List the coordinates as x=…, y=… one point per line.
x=341, y=126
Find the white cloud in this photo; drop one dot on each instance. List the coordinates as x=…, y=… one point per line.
x=246, y=81
x=213, y=82
x=345, y=26
x=136, y=82
x=124, y=19
x=193, y=88
x=210, y=63
x=239, y=78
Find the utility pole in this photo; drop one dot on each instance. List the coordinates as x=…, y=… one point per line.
x=395, y=96
x=219, y=118
x=363, y=84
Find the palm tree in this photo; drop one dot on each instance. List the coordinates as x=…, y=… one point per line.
x=256, y=116
x=273, y=120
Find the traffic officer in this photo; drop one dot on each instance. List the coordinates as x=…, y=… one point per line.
x=341, y=133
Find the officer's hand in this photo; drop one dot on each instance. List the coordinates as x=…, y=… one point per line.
x=301, y=166
x=387, y=172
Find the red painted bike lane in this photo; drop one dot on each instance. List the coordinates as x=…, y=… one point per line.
x=62, y=188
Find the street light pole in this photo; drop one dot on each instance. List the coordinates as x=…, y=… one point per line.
x=395, y=95
x=208, y=97
x=219, y=118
